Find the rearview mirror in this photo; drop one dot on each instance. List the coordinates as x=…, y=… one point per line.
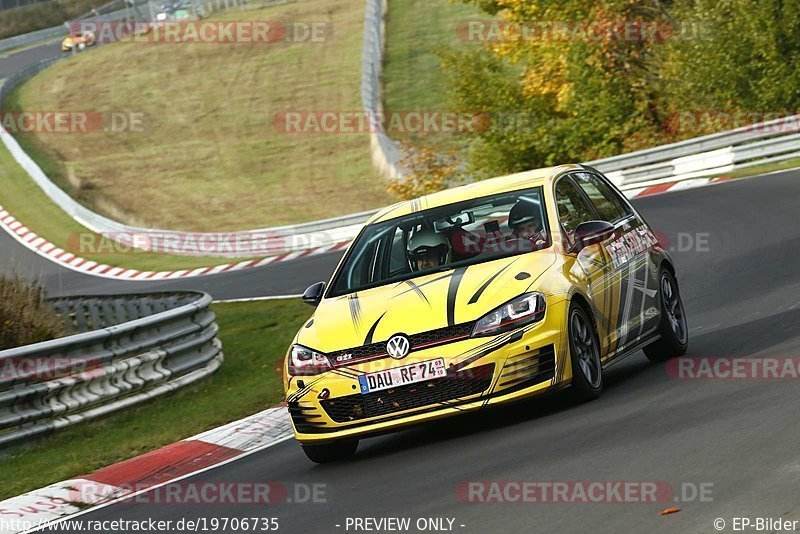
x=592, y=232
x=313, y=295
x=454, y=221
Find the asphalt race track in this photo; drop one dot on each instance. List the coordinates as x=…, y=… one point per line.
x=15, y=61
x=738, y=251
x=742, y=297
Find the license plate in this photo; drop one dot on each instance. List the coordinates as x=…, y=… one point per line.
x=400, y=376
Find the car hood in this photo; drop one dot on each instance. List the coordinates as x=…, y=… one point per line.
x=425, y=303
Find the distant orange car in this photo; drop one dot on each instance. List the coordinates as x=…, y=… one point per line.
x=77, y=39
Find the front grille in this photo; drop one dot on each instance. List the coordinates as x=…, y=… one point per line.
x=455, y=385
x=440, y=335
x=418, y=342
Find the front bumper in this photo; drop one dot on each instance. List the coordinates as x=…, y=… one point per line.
x=481, y=372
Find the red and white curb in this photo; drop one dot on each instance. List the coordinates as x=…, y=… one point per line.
x=144, y=473
x=66, y=259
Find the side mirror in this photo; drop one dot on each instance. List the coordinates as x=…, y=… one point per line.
x=313, y=295
x=592, y=232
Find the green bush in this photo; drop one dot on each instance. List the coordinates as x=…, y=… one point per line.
x=45, y=15
x=712, y=65
x=25, y=317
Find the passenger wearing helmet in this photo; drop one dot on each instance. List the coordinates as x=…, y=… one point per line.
x=428, y=250
x=527, y=230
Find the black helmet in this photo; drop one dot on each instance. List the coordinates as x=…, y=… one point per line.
x=523, y=211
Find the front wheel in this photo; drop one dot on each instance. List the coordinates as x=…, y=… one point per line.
x=336, y=451
x=673, y=328
x=584, y=353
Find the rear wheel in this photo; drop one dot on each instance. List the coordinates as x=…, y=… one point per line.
x=584, y=352
x=331, y=452
x=673, y=329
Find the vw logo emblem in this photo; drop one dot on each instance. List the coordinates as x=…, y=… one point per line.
x=398, y=347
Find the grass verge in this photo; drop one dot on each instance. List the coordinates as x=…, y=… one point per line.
x=25, y=317
x=415, y=31
x=254, y=337
x=764, y=168
x=33, y=208
x=208, y=155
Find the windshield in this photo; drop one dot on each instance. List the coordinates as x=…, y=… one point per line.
x=443, y=238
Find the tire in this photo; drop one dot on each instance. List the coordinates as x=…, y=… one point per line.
x=584, y=354
x=331, y=452
x=673, y=328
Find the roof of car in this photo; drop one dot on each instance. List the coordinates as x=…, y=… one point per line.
x=483, y=188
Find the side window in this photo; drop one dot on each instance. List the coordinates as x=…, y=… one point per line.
x=398, y=261
x=373, y=261
x=608, y=205
x=572, y=207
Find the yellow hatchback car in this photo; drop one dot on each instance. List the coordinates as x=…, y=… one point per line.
x=475, y=296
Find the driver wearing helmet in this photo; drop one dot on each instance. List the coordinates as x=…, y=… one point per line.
x=428, y=250
x=527, y=230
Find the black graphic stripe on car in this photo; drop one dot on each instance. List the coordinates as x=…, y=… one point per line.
x=371, y=333
x=418, y=291
x=491, y=279
x=423, y=285
x=355, y=309
x=452, y=292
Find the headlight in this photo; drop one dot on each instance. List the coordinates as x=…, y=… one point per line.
x=525, y=309
x=304, y=361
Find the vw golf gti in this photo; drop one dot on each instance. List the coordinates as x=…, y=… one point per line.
x=476, y=296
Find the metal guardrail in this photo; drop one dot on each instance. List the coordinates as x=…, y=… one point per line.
x=130, y=349
x=763, y=142
x=702, y=156
x=386, y=154
x=698, y=145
